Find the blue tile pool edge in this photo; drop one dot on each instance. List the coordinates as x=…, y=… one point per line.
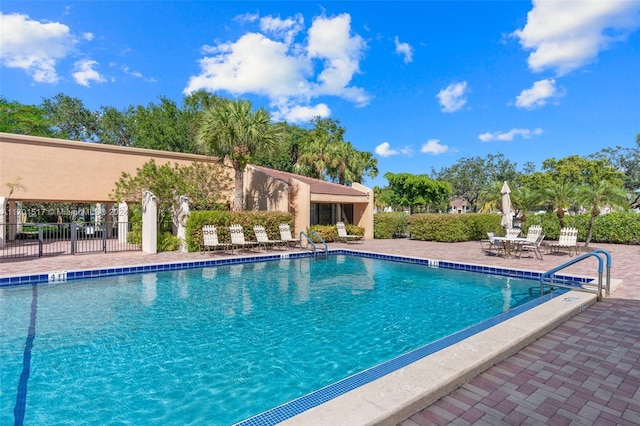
x=299, y=405
x=41, y=278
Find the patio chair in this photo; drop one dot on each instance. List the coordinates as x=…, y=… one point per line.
x=513, y=232
x=533, y=233
x=210, y=239
x=263, y=238
x=531, y=246
x=237, y=238
x=285, y=236
x=568, y=240
x=490, y=244
x=347, y=238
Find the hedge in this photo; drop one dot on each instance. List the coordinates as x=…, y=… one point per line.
x=617, y=227
x=329, y=233
x=453, y=227
x=390, y=225
x=223, y=219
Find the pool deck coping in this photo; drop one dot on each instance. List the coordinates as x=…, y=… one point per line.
x=402, y=393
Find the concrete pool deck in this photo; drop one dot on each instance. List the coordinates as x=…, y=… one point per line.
x=583, y=370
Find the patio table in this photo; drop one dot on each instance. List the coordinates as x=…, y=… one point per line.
x=508, y=242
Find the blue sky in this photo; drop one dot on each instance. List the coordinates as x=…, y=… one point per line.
x=420, y=83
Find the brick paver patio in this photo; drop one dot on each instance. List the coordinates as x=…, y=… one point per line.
x=584, y=372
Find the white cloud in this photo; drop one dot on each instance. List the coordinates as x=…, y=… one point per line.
x=88, y=36
x=34, y=46
x=285, y=29
x=271, y=64
x=384, y=150
x=510, y=135
x=404, y=49
x=452, y=98
x=565, y=35
x=84, y=73
x=300, y=113
x=538, y=95
x=433, y=146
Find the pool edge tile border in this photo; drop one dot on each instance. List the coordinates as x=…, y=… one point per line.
x=321, y=397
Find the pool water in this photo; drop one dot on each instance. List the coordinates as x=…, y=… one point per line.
x=220, y=344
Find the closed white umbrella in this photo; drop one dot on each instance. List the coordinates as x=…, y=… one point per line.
x=506, y=206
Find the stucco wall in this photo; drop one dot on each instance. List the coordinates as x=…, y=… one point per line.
x=363, y=212
x=262, y=192
x=67, y=171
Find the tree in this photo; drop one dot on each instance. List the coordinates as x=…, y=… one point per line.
x=162, y=126
x=70, y=119
x=116, y=127
x=560, y=195
x=347, y=165
x=318, y=148
x=411, y=191
x=201, y=183
x=627, y=162
x=232, y=130
x=285, y=156
x=597, y=196
x=23, y=119
x=470, y=176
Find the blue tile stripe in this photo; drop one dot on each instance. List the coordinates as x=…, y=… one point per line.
x=313, y=399
x=126, y=270
x=21, y=395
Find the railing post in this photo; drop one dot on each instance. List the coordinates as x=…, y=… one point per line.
x=74, y=237
x=104, y=236
x=40, y=239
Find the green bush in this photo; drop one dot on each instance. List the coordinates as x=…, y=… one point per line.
x=223, y=219
x=329, y=233
x=453, y=227
x=168, y=242
x=390, y=225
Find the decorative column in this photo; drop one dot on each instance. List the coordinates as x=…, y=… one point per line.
x=123, y=222
x=13, y=221
x=3, y=215
x=149, y=223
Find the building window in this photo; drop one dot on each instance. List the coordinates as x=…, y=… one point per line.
x=329, y=214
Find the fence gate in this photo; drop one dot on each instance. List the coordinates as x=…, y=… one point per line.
x=54, y=239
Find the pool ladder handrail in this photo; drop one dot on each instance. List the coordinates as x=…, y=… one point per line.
x=547, y=278
x=313, y=233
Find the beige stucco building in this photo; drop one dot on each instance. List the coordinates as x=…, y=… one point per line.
x=58, y=170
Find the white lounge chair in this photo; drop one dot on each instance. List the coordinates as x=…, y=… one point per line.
x=285, y=236
x=263, y=238
x=568, y=239
x=347, y=238
x=210, y=239
x=237, y=238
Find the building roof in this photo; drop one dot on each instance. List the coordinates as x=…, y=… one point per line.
x=316, y=186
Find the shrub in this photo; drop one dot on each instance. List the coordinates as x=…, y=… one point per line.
x=453, y=227
x=390, y=225
x=168, y=242
x=329, y=233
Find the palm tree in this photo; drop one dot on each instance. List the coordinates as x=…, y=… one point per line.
x=599, y=195
x=560, y=195
x=525, y=199
x=231, y=130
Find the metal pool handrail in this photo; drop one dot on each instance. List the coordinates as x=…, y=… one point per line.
x=548, y=277
x=313, y=245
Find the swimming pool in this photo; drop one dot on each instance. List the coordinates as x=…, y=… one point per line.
x=221, y=344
